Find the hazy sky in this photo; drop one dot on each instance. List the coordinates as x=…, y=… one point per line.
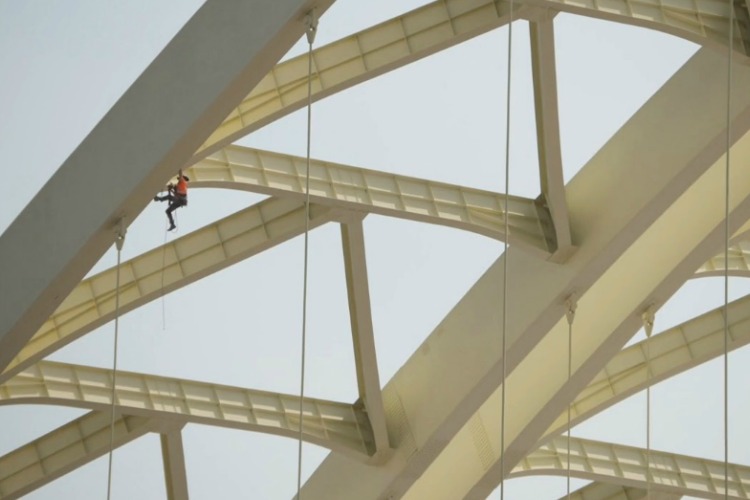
x=443, y=118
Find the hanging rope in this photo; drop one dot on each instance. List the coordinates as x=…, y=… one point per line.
x=119, y=241
x=163, y=296
x=505, y=254
x=311, y=23
x=648, y=327
x=570, y=315
x=726, y=251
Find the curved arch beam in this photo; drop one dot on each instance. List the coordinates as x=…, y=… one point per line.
x=338, y=426
x=440, y=25
x=167, y=268
x=371, y=191
x=705, y=22
x=672, y=352
x=609, y=491
x=626, y=466
x=358, y=58
x=69, y=447
x=739, y=262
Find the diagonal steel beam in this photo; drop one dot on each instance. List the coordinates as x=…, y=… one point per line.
x=220, y=54
x=673, y=351
x=68, y=447
x=175, y=473
x=548, y=133
x=167, y=268
x=337, y=426
x=365, y=357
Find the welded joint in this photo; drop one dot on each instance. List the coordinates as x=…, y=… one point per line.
x=571, y=304
x=120, y=230
x=648, y=316
x=311, y=25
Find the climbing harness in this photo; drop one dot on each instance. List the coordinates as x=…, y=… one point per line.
x=119, y=241
x=311, y=24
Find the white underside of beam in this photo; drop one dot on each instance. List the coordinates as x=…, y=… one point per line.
x=338, y=426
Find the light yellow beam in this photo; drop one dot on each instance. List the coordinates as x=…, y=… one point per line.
x=363, y=338
x=609, y=491
x=337, y=426
x=544, y=74
x=167, y=268
x=626, y=466
x=382, y=193
x=68, y=447
x=357, y=58
x=175, y=473
x=672, y=352
x=705, y=22
x=739, y=262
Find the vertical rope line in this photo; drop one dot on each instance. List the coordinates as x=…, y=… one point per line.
x=648, y=415
x=726, y=252
x=570, y=363
x=311, y=28
x=119, y=241
x=505, y=254
x=163, y=297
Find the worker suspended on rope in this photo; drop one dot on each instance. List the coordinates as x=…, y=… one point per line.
x=176, y=196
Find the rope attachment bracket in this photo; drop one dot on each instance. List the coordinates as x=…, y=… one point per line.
x=120, y=231
x=648, y=316
x=311, y=25
x=571, y=304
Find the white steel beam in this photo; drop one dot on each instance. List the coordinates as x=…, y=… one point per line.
x=337, y=426
x=739, y=262
x=619, y=223
x=175, y=473
x=370, y=191
x=609, y=491
x=671, y=352
x=358, y=58
x=167, y=268
x=705, y=22
x=220, y=54
x=626, y=466
x=68, y=447
x=365, y=357
x=548, y=133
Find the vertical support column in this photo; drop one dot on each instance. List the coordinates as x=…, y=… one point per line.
x=548, y=132
x=173, y=454
x=358, y=290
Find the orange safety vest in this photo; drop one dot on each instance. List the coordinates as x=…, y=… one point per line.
x=182, y=186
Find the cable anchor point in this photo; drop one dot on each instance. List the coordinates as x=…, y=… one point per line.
x=571, y=304
x=648, y=318
x=311, y=25
x=120, y=231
